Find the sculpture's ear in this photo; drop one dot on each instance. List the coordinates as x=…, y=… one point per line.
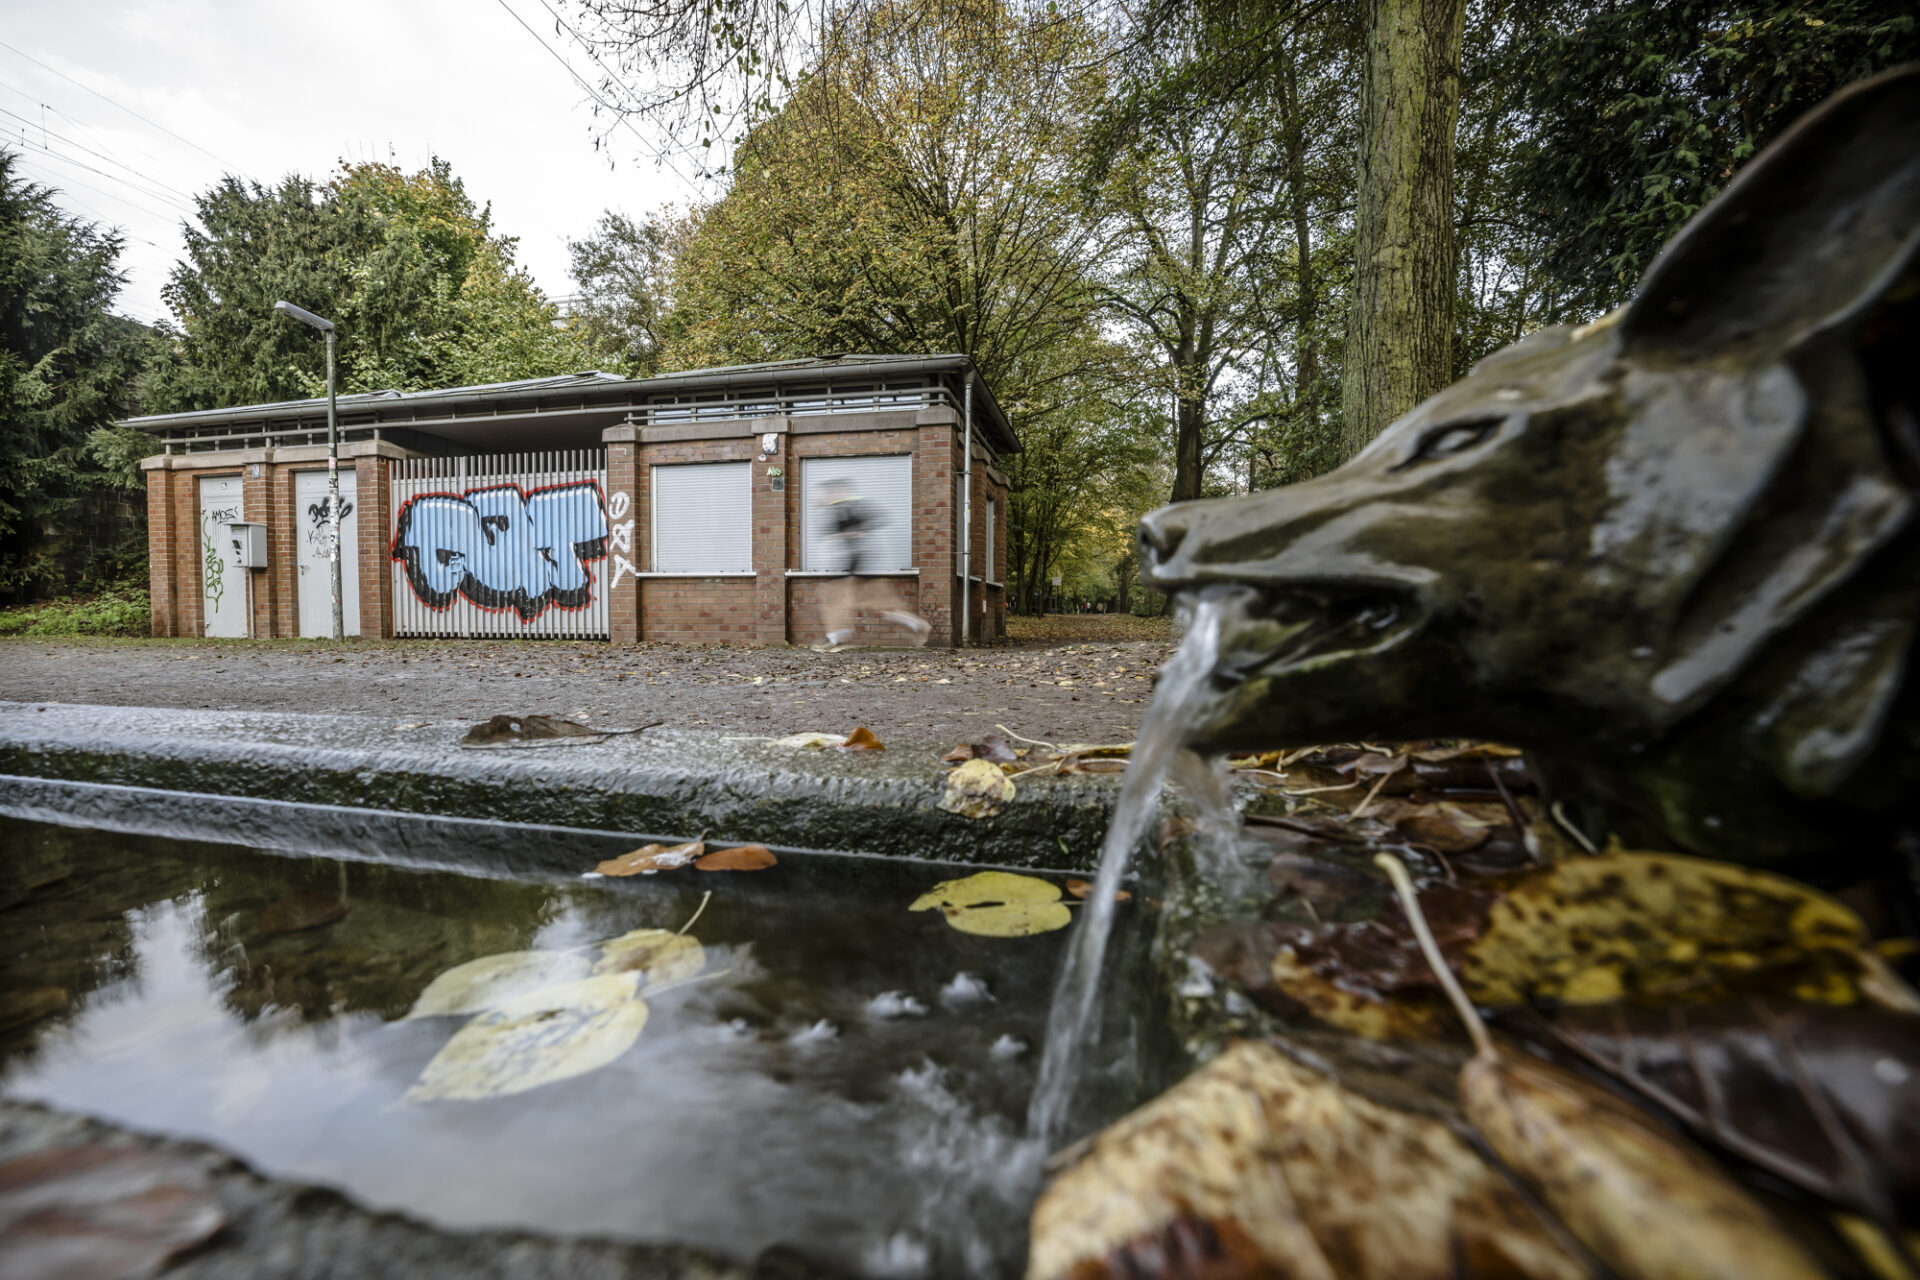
x=1814, y=229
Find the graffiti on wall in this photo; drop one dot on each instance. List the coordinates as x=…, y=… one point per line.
x=213, y=560
x=320, y=526
x=503, y=547
x=622, y=538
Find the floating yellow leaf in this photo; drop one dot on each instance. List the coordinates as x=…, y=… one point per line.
x=1656, y=926
x=551, y=1034
x=491, y=980
x=998, y=904
x=659, y=956
x=977, y=789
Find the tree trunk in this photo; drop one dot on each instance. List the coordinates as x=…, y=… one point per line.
x=1190, y=417
x=1399, y=338
x=1308, y=316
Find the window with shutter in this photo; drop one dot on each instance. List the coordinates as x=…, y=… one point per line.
x=703, y=517
x=885, y=484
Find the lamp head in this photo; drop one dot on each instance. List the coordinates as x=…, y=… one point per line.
x=304, y=316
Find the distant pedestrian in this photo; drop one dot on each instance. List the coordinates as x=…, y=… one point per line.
x=850, y=521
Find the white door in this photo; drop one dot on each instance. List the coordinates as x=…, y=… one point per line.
x=223, y=583
x=314, y=542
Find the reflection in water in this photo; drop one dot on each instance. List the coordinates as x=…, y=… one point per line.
x=255, y=1001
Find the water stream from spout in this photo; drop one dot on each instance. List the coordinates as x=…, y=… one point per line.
x=1072, y=1024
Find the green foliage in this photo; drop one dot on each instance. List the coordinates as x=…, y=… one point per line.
x=1637, y=112
x=67, y=368
x=121, y=611
x=424, y=293
x=624, y=273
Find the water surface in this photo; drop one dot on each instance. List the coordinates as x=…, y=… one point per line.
x=839, y=1087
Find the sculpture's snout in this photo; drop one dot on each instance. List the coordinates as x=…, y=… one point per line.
x=1161, y=533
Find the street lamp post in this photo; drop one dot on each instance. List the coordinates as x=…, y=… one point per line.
x=333, y=458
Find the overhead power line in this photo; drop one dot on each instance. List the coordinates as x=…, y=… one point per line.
x=168, y=188
x=129, y=110
x=591, y=92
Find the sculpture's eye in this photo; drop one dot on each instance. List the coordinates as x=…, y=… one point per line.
x=1454, y=437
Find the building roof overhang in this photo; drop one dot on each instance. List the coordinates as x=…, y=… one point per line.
x=571, y=410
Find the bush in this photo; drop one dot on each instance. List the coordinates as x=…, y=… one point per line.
x=121, y=611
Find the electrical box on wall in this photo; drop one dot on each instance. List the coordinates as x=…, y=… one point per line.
x=249, y=544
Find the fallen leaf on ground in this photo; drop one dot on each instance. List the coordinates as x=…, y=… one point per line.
x=491, y=980
x=649, y=858
x=977, y=789
x=998, y=904
x=547, y=1035
x=810, y=741
x=300, y=909
x=992, y=747
x=531, y=731
x=659, y=956
x=861, y=739
x=1081, y=888
x=100, y=1213
x=741, y=857
x=1449, y=826
x=1276, y=1171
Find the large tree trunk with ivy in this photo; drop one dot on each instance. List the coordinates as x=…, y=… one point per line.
x=1399, y=338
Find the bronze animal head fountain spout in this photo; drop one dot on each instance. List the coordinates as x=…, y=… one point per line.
x=1674, y=554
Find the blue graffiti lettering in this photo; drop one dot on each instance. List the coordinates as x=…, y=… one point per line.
x=504, y=548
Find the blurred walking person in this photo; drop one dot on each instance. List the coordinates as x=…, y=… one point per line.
x=850, y=520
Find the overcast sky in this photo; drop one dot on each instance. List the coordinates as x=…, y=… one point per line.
x=270, y=87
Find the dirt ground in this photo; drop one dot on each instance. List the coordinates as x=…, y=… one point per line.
x=1069, y=678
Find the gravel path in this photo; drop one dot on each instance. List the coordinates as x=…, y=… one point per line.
x=1073, y=679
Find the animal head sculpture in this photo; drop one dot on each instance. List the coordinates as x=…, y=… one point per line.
x=1674, y=553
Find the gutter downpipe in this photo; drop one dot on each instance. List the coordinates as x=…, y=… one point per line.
x=333, y=495
x=966, y=517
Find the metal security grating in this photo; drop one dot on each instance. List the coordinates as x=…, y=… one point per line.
x=511, y=545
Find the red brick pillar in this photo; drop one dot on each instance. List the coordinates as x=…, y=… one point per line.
x=372, y=495
x=283, y=532
x=164, y=571
x=772, y=495
x=935, y=522
x=625, y=557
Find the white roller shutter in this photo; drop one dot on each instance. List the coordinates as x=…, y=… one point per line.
x=885, y=483
x=703, y=517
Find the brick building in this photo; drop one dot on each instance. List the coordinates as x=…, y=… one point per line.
x=682, y=507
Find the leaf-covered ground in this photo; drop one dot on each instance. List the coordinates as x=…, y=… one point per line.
x=1064, y=678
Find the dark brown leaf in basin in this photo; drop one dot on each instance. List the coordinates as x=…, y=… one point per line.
x=742, y=857
x=862, y=739
x=22, y=1006
x=1325, y=886
x=1081, y=888
x=301, y=909
x=1827, y=1098
x=101, y=1213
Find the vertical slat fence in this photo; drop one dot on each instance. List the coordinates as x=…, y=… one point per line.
x=504, y=545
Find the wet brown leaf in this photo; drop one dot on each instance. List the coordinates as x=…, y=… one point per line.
x=741, y=857
x=1827, y=1098
x=1645, y=1201
x=1659, y=927
x=993, y=747
x=1324, y=886
x=531, y=731
x=101, y=1213
x=861, y=739
x=1445, y=825
x=649, y=858
x=1257, y=1166
x=20, y=1006
x=1081, y=888
x=300, y=909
